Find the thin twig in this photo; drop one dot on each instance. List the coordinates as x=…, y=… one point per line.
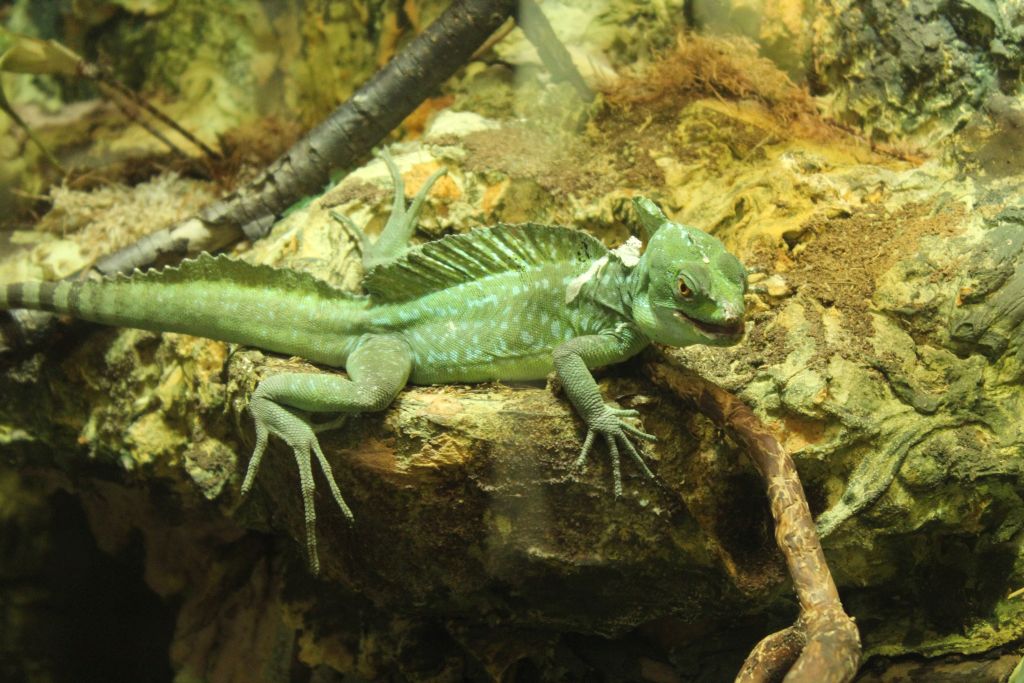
x=103, y=75
x=20, y=122
x=126, y=107
x=499, y=35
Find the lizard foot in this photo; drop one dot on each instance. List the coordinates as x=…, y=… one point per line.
x=616, y=431
x=300, y=435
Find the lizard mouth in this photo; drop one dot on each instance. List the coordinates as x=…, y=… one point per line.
x=718, y=331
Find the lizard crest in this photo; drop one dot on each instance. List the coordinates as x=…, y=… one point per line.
x=475, y=256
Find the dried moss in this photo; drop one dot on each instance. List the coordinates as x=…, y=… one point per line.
x=701, y=66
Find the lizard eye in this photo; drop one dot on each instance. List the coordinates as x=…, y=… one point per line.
x=683, y=288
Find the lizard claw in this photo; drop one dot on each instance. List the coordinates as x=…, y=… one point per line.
x=300, y=436
x=610, y=425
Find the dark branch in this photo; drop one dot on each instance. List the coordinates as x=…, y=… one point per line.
x=339, y=142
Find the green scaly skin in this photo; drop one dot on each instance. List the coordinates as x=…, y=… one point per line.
x=503, y=303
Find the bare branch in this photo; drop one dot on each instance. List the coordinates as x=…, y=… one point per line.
x=823, y=646
x=554, y=55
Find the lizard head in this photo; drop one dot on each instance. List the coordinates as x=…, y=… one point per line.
x=687, y=289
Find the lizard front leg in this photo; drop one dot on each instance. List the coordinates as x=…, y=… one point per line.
x=573, y=361
x=378, y=368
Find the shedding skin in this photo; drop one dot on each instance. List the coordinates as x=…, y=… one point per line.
x=504, y=303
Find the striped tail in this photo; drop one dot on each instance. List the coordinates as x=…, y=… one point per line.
x=39, y=296
x=215, y=297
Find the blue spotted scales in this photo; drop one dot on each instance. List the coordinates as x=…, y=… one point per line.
x=511, y=302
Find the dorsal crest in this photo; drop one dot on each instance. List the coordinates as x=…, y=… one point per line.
x=223, y=268
x=457, y=259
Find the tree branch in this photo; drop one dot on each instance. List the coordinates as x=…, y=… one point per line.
x=552, y=53
x=823, y=646
x=347, y=135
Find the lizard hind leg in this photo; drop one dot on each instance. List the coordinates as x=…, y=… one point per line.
x=401, y=224
x=296, y=431
x=378, y=369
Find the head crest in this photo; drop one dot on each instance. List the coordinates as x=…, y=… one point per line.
x=652, y=218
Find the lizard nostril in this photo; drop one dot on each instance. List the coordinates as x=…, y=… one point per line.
x=731, y=317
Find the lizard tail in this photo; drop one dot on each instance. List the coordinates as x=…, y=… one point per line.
x=40, y=296
x=215, y=297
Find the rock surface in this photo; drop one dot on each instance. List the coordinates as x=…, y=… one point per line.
x=885, y=349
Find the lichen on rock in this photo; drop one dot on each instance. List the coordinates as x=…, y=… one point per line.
x=918, y=68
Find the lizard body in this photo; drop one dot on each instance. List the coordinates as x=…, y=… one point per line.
x=512, y=302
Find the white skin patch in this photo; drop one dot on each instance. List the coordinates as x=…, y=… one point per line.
x=628, y=253
x=573, y=290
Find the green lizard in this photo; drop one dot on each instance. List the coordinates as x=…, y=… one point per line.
x=511, y=302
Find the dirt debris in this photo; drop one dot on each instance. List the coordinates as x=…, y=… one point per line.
x=558, y=163
x=841, y=263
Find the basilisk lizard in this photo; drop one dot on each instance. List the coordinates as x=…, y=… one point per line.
x=510, y=302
